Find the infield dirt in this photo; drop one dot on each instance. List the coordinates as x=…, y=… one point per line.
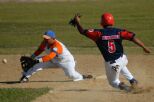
x=64, y=90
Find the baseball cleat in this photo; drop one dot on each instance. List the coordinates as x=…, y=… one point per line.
x=124, y=87
x=23, y=79
x=134, y=83
x=87, y=76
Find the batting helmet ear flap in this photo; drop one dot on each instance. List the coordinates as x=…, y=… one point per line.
x=107, y=19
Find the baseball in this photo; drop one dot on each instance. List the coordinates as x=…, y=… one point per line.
x=4, y=61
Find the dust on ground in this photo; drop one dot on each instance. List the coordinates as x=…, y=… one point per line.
x=98, y=90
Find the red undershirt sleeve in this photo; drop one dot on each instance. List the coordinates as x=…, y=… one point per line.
x=127, y=35
x=92, y=34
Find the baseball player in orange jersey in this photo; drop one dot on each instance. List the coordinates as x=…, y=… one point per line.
x=57, y=56
x=109, y=41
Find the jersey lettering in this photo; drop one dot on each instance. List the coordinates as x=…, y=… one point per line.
x=111, y=37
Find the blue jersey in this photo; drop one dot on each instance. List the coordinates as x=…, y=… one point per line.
x=109, y=41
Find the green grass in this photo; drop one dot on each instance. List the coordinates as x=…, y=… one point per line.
x=20, y=95
x=22, y=24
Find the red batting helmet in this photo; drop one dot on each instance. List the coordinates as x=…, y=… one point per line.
x=107, y=20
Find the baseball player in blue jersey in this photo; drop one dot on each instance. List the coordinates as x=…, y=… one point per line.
x=109, y=41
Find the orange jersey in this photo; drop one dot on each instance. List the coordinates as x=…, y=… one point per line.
x=56, y=51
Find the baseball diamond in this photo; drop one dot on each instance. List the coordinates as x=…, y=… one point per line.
x=45, y=59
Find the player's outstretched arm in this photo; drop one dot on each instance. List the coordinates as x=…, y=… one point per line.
x=141, y=44
x=78, y=24
x=39, y=50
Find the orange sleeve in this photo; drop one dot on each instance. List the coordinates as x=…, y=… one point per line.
x=48, y=57
x=55, y=50
x=40, y=49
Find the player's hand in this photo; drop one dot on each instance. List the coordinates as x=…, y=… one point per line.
x=77, y=17
x=75, y=20
x=146, y=50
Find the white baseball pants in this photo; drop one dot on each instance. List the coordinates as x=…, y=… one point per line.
x=67, y=66
x=114, y=69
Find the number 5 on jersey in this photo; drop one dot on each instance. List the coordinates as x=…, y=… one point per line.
x=111, y=46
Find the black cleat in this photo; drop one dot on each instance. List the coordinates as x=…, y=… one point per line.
x=125, y=87
x=134, y=83
x=23, y=79
x=87, y=76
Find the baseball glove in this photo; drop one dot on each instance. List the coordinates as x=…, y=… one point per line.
x=72, y=21
x=27, y=63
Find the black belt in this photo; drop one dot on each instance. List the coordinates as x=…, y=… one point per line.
x=113, y=61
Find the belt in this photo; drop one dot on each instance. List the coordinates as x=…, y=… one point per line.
x=111, y=62
x=114, y=61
